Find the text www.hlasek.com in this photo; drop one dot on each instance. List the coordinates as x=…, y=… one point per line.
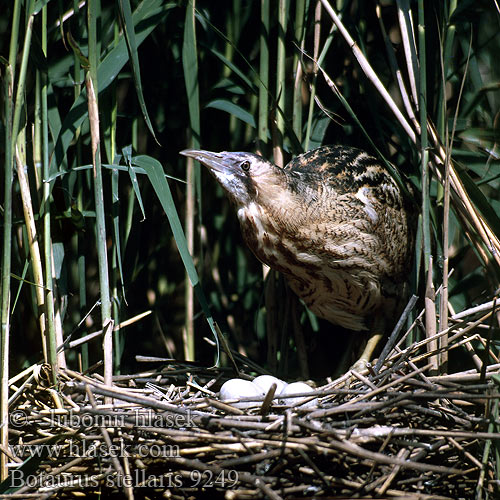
x=95, y=449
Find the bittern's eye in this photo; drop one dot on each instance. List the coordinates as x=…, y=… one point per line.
x=245, y=166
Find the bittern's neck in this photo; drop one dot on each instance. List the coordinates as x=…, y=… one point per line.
x=270, y=188
x=272, y=208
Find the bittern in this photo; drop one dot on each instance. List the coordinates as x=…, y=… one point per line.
x=333, y=221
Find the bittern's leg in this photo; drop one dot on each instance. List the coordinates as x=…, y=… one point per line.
x=370, y=347
x=376, y=334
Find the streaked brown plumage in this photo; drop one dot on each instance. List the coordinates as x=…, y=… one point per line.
x=333, y=221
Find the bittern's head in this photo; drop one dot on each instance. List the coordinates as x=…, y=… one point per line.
x=242, y=175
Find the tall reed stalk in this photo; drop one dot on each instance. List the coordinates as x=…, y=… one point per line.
x=92, y=85
x=13, y=109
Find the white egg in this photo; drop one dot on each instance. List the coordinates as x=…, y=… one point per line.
x=298, y=388
x=264, y=382
x=237, y=388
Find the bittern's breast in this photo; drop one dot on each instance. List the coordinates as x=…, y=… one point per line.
x=342, y=266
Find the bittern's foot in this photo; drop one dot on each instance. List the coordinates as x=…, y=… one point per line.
x=366, y=355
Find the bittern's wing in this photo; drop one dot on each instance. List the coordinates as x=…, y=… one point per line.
x=346, y=171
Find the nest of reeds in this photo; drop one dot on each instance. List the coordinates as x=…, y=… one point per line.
x=395, y=431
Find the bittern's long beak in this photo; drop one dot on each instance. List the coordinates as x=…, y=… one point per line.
x=225, y=167
x=224, y=163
